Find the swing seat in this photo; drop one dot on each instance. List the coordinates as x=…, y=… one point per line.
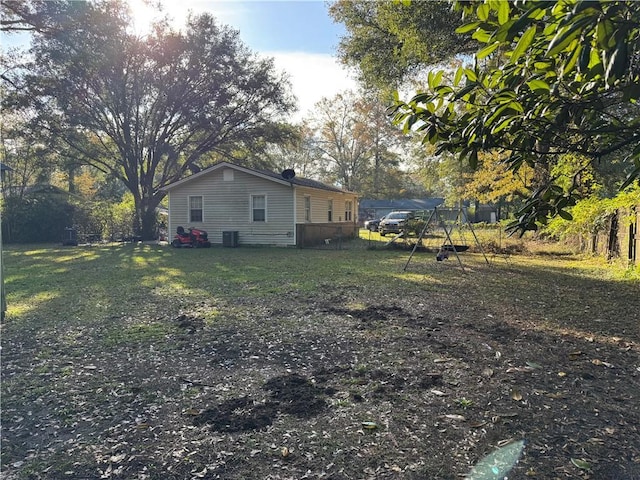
x=455, y=248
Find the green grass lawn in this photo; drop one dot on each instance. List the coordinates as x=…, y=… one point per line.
x=143, y=361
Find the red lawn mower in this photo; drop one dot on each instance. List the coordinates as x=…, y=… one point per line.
x=195, y=238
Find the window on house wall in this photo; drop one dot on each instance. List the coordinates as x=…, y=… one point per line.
x=195, y=209
x=227, y=175
x=330, y=211
x=258, y=208
x=307, y=209
x=348, y=211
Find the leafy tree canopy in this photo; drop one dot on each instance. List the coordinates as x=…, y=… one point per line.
x=550, y=78
x=388, y=41
x=358, y=145
x=144, y=109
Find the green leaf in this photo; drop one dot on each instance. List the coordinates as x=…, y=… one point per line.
x=632, y=177
x=465, y=90
x=505, y=33
x=524, y=42
x=430, y=77
x=618, y=62
x=537, y=13
x=539, y=86
x=495, y=115
x=502, y=125
x=605, y=34
x=421, y=98
x=467, y=27
x=471, y=75
x=516, y=106
x=443, y=90
x=565, y=215
x=562, y=202
x=473, y=159
x=488, y=50
x=438, y=78
x=568, y=67
x=483, y=12
x=458, y=76
x=481, y=36
x=585, y=55
x=518, y=25
x=564, y=37
x=503, y=12
x=543, y=65
x=581, y=464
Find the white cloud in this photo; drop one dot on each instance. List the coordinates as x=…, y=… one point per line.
x=313, y=76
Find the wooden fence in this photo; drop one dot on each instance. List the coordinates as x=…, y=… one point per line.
x=621, y=238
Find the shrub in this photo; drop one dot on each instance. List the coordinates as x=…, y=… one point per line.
x=41, y=217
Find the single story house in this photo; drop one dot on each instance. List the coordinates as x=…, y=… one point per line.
x=237, y=205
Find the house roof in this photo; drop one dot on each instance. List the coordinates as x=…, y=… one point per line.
x=4, y=167
x=402, y=204
x=266, y=174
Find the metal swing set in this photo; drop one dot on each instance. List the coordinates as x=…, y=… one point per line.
x=455, y=219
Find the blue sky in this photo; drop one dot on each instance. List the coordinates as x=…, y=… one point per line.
x=283, y=25
x=298, y=34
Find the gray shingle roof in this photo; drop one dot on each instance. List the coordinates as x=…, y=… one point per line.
x=303, y=182
x=401, y=203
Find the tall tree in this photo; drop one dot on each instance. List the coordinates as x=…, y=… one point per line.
x=359, y=146
x=493, y=182
x=30, y=161
x=32, y=15
x=388, y=41
x=300, y=153
x=386, y=145
x=341, y=138
x=145, y=109
x=567, y=82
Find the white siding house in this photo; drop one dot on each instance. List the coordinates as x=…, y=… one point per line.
x=261, y=206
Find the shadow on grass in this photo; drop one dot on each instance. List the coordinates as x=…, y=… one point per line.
x=110, y=346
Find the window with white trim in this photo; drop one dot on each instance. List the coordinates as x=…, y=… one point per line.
x=195, y=209
x=258, y=208
x=348, y=211
x=330, y=211
x=307, y=209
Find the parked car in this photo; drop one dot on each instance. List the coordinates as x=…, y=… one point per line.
x=372, y=225
x=394, y=222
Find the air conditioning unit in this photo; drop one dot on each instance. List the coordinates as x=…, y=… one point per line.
x=230, y=239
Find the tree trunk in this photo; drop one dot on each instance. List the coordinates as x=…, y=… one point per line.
x=145, y=219
x=71, y=178
x=613, y=247
x=149, y=224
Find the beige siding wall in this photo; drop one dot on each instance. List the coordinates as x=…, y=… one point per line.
x=320, y=205
x=227, y=207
